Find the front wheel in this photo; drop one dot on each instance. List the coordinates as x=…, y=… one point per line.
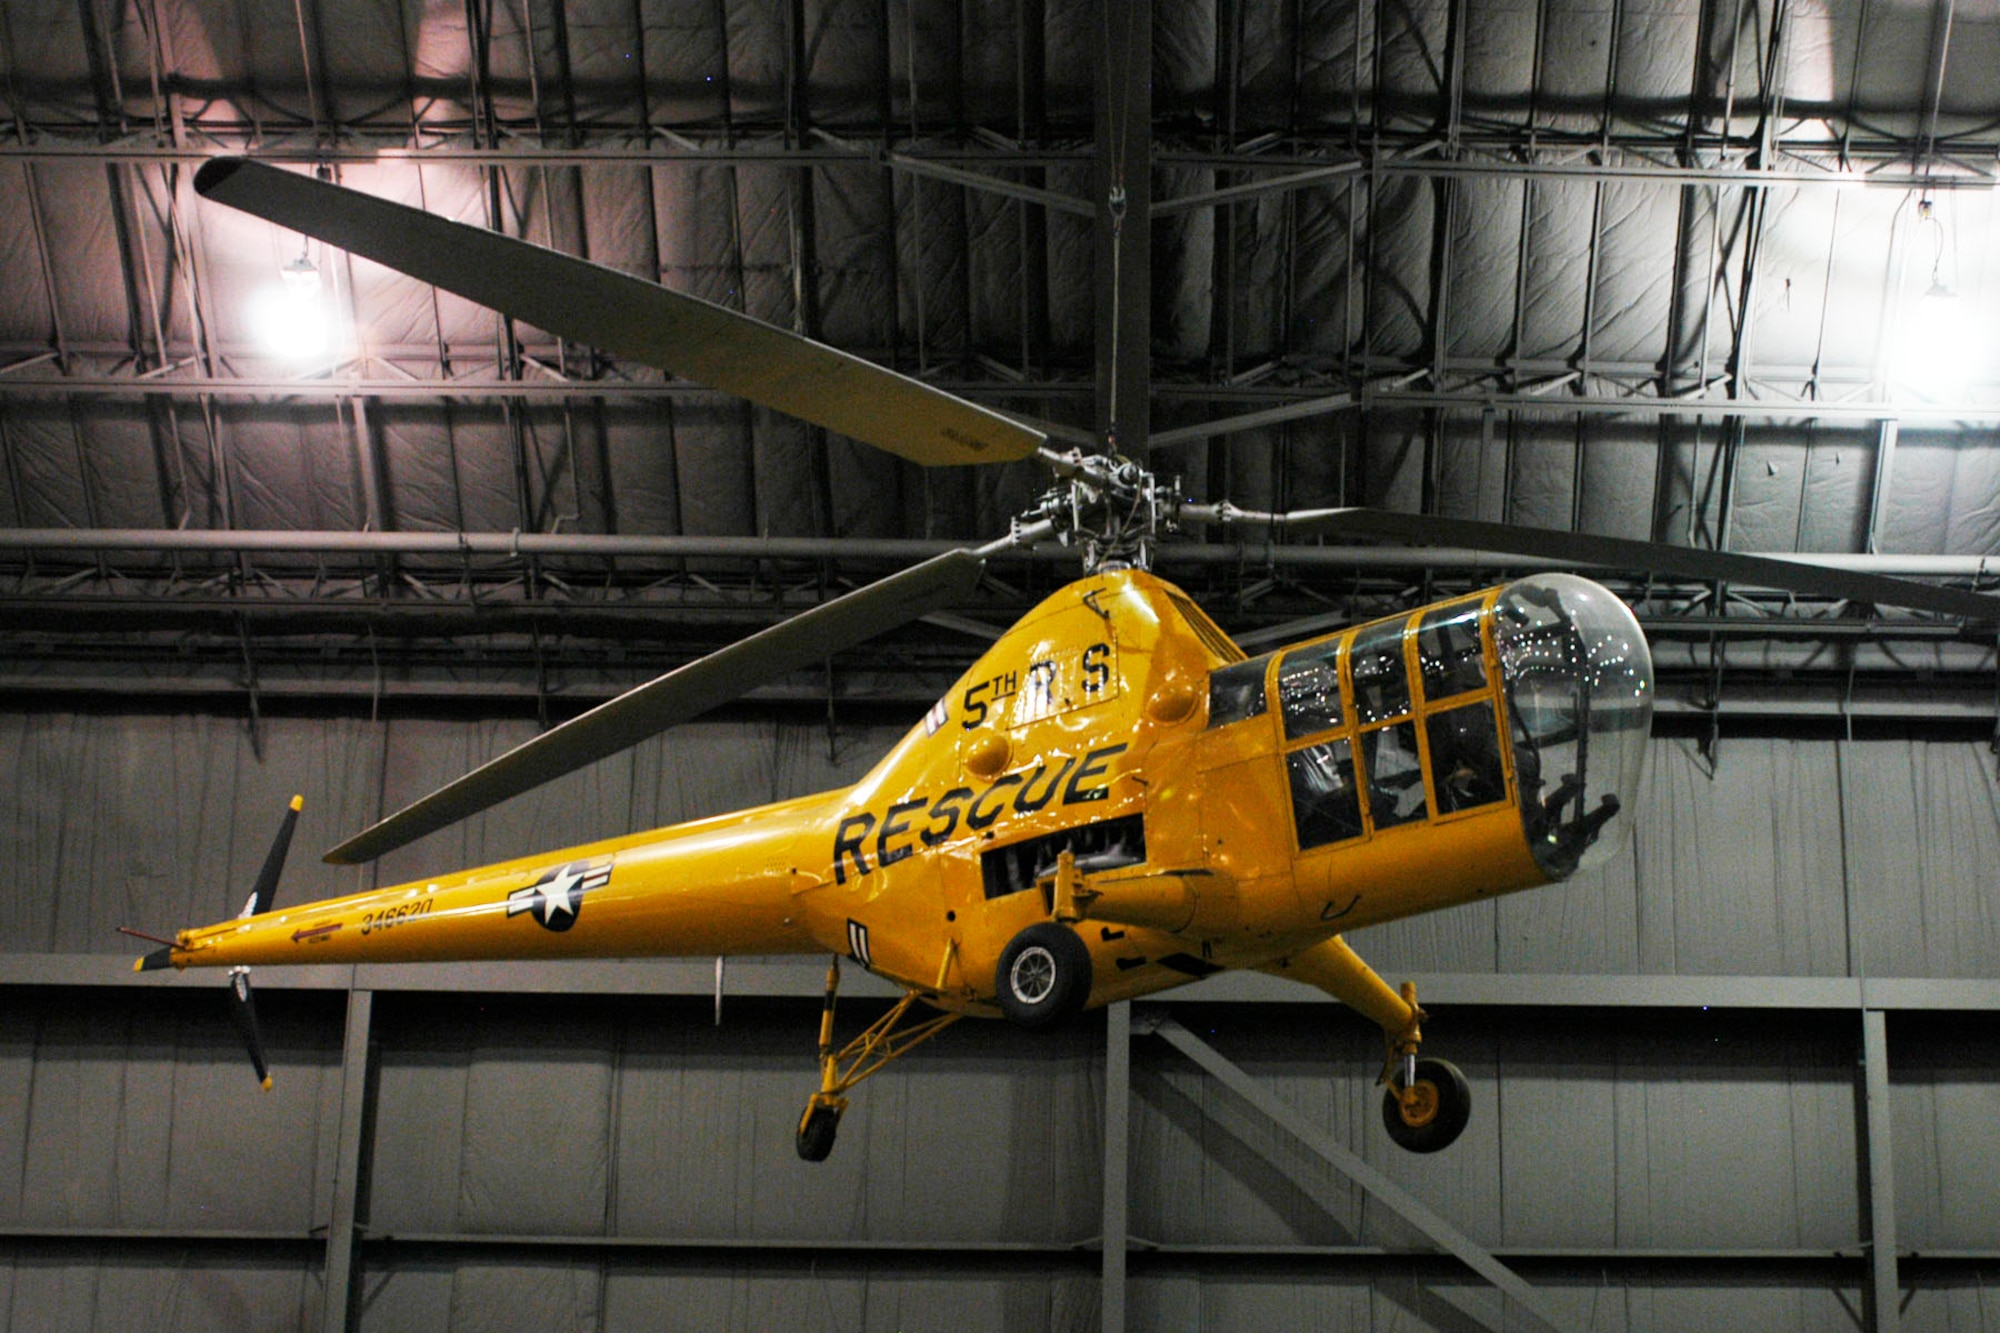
x=1435, y=1114
x=1044, y=976
x=816, y=1132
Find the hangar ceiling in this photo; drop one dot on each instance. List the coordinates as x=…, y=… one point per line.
x=1667, y=270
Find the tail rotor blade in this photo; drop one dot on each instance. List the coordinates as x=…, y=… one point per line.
x=274, y=862
x=244, y=1009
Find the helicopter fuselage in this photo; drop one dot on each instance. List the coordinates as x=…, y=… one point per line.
x=1218, y=813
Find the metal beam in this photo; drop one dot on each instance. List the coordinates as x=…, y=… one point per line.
x=1801, y=173
x=1879, y=482
x=1650, y=405
x=1387, y=162
x=795, y=978
x=342, y=1309
x=1964, y=707
x=897, y=550
x=1418, y=1214
x=1592, y=1261
x=341, y=387
x=1230, y=194
x=1311, y=401
x=355, y=149
x=1117, y=1163
x=1270, y=416
x=980, y=180
x=1884, y=1287
x=1123, y=264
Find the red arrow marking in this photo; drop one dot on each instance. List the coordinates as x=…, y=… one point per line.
x=316, y=934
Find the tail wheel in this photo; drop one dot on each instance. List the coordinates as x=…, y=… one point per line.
x=1044, y=976
x=1432, y=1113
x=817, y=1130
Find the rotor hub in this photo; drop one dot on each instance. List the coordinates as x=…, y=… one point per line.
x=1110, y=508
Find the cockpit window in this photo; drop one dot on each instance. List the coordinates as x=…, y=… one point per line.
x=1449, y=651
x=1394, y=774
x=1579, y=689
x=1309, y=689
x=1381, y=684
x=1237, y=691
x=1325, y=804
x=1466, y=767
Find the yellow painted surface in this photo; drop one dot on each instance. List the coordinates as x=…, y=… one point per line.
x=721, y=885
x=1092, y=708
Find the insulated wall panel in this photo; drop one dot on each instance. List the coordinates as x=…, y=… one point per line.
x=648, y=1120
x=643, y=1295
x=1923, y=836
x=1632, y=1133
x=1735, y=868
x=1364, y=1297
x=1944, y=1103
x=160, y=822
x=52, y=1289
x=847, y=1296
x=133, y=1111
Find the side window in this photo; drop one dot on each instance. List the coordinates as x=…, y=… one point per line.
x=1237, y=691
x=1449, y=651
x=1325, y=804
x=1395, y=774
x=1465, y=757
x=1309, y=689
x=1381, y=685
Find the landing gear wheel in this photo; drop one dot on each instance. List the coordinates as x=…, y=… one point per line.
x=1433, y=1114
x=816, y=1131
x=1044, y=976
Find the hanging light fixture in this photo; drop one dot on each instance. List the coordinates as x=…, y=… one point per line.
x=301, y=278
x=1937, y=293
x=291, y=319
x=1938, y=356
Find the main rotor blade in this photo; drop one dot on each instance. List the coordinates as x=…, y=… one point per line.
x=809, y=637
x=589, y=303
x=1618, y=553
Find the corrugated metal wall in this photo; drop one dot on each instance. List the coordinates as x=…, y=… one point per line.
x=620, y=1162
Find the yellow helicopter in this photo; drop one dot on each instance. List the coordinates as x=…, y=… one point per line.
x=1111, y=802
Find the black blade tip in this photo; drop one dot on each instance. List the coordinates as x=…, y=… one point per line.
x=212, y=173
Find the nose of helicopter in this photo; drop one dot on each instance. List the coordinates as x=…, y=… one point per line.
x=1579, y=686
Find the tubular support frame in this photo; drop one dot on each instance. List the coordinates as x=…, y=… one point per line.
x=879, y=1043
x=1335, y=968
x=1419, y=1105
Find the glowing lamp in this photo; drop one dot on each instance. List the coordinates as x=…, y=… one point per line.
x=290, y=320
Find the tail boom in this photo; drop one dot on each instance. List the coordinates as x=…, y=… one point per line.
x=718, y=886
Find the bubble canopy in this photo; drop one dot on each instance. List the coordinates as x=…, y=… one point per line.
x=1579, y=686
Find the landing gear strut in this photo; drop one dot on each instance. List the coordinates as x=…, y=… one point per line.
x=1425, y=1103
x=867, y=1053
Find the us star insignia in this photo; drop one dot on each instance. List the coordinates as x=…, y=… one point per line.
x=557, y=897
